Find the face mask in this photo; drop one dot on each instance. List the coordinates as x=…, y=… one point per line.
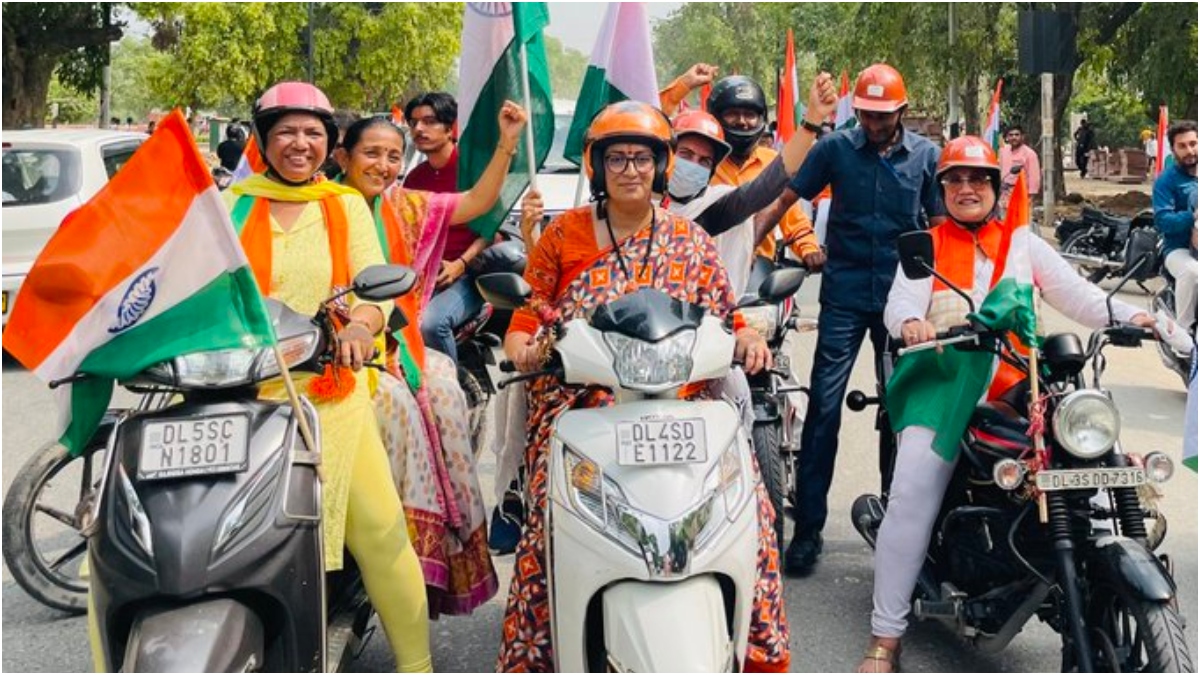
x=687, y=179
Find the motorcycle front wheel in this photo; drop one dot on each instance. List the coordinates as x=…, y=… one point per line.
x=43, y=513
x=765, y=438
x=1082, y=243
x=1132, y=635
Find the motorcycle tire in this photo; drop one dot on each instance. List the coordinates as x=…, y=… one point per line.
x=1080, y=244
x=477, y=404
x=765, y=438
x=54, y=582
x=1130, y=634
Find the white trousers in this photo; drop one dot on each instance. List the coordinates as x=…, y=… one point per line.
x=918, y=485
x=1182, y=266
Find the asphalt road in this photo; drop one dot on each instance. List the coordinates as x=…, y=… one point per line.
x=828, y=611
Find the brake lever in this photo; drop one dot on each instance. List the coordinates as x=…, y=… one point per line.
x=554, y=372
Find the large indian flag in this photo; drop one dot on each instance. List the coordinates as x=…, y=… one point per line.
x=490, y=72
x=621, y=68
x=940, y=391
x=148, y=269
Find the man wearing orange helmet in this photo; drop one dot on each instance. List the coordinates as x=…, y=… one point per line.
x=882, y=178
x=967, y=249
x=724, y=210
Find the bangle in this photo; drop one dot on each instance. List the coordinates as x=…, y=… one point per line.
x=512, y=152
x=809, y=126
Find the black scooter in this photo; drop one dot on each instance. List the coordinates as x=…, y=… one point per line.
x=205, y=539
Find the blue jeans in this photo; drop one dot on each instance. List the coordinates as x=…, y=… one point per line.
x=449, y=309
x=839, y=337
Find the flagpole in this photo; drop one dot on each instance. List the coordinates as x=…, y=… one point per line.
x=531, y=155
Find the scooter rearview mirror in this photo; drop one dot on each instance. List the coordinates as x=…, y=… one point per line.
x=916, y=254
x=781, y=284
x=379, y=283
x=504, y=290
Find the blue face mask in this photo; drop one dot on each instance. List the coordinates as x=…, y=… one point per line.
x=687, y=179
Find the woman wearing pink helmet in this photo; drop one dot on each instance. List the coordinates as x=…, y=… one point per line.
x=304, y=238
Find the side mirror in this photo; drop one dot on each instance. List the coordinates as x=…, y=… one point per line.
x=504, y=290
x=916, y=254
x=379, y=283
x=781, y=284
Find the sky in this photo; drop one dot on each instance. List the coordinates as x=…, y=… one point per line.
x=577, y=23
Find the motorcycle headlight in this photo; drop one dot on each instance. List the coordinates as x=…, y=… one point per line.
x=764, y=320
x=1087, y=424
x=599, y=500
x=652, y=366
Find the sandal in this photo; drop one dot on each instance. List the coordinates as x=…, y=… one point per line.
x=879, y=656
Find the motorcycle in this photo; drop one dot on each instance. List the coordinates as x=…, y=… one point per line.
x=205, y=531
x=1163, y=301
x=1103, y=246
x=1060, y=535
x=777, y=399
x=652, y=531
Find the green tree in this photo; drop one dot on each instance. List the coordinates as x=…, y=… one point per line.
x=134, y=60
x=72, y=106
x=567, y=67
x=42, y=39
x=366, y=55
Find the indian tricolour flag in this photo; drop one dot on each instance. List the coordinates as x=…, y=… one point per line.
x=250, y=163
x=621, y=68
x=940, y=391
x=148, y=269
x=490, y=72
x=991, y=130
x=843, y=115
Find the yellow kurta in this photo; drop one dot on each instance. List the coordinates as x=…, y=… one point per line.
x=301, y=270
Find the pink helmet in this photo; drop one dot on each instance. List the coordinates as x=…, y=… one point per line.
x=292, y=97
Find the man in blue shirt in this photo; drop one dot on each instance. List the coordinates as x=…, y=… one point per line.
x=1175, y=217
x=882, y=178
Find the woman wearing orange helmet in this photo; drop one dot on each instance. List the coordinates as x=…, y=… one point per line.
x=966, y=248
x=304, y=238
x=589, y=256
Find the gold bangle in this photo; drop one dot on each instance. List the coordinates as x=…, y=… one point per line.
x=512, y=152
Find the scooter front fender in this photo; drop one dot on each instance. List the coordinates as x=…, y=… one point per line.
x=678, y=627
x=213, y=636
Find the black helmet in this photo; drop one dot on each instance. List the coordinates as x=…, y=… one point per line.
x=739, y=91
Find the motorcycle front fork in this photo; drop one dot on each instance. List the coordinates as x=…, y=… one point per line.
x=1064, y=553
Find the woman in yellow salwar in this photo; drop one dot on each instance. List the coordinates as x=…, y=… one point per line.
x=304, y=239
x=421, y=407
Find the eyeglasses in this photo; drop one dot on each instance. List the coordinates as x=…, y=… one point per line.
x=619, y=163
x=976, y=181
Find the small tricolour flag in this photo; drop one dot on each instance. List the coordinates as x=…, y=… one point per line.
x=490, y=73
x=250, y=163
x=621, y=68
x=785, y=114
x=843, y=116
x=940, y=391
x=991, y=130
x=1160, y=156
x=148, y=269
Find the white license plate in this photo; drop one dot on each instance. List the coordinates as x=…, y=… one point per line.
x=194, y=447
x=661, y=441
x=1085, y=479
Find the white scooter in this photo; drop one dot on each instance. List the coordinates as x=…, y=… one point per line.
x=652, y=520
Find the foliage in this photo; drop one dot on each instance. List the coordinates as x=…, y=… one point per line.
x=1155, y=54
x=567, y=67
x=134, y=60
x=1117, y=115
x=366, y=55
x=73, y=107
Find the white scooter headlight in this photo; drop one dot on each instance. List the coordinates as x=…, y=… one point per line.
x=597, y=498
x=729, y=484
x=1087, y=424
x=652, y=366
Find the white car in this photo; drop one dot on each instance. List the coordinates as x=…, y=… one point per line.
x=47, y=173
x=558, y=181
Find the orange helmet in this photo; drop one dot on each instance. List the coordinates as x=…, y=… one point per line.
x=970, y=152
x=700, y=123
x=880, y=88
x=628, y=122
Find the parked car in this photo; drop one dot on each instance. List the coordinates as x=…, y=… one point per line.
x=558, y=180
x=47, y=173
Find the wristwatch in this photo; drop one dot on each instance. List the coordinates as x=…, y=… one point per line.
x=815, y=128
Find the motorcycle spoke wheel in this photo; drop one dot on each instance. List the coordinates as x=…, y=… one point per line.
x=43, y=547
x=1132, y=635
